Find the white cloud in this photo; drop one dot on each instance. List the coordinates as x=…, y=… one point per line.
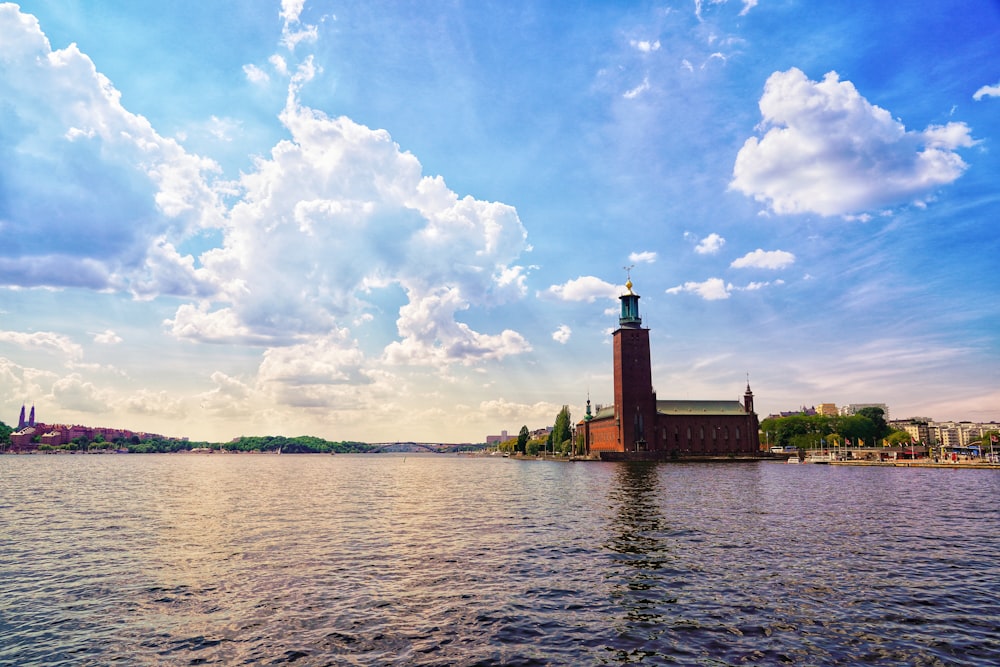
x=638, y=90
x=159, y=403
x=293, y=32
x=764, y=259
x=291, y=10
x=332, y=359
x=107, y=337
x=562, y=334
x=987, y=91
x=255, y=74
x=223, y=129
x=74, y=393
x=645, y=46
x=647, y=257
x=710, y=245
x=68, y=144
x=584, y=288
x=827, y=150
x=335, y=209
x=230, y=396
x=712, y=289
x=431, y=335
x=44, y=340
x=747, y=6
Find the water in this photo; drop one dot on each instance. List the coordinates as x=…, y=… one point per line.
x=450, y=560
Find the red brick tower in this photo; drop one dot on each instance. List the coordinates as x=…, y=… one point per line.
x=635, y=401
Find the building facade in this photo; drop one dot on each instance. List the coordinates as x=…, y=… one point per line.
x=639, y=426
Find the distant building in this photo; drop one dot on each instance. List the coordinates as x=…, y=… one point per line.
x=492, y=440
x=639, y=426
x=853, y=408
x=827, y=410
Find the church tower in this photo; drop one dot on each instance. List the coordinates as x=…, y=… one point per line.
x=635, y=402
x=748, y=399
x=20, y=422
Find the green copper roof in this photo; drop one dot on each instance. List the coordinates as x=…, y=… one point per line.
x=684, y=408
x=700, y=408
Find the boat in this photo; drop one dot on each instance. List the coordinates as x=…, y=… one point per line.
x=819, y=458
x=793, y=459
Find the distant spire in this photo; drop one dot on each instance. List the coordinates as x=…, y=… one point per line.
x=31, y=419
x=20, y=421
x=628, y=277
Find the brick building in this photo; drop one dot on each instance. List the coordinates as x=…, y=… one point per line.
x=639, y=426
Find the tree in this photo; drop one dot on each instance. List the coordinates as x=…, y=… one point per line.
x=877, y=417
x=899, y=438
x=522, y=440
x=562, y=433
x=5, y=432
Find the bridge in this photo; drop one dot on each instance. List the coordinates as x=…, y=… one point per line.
x=432, y=447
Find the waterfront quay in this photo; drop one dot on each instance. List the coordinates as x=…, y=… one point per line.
x=981, y=464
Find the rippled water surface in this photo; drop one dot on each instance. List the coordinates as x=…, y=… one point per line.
x=451, y=560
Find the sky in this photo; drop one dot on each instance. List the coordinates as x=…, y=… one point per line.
x=387, y=221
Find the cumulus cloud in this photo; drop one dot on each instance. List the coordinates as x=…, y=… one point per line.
x=584, y=288
x=93, y=182
x=332, y=359
x=710, y=245
x=44, y=340
x=159, y=403
x=827, y=150
x=562, y=334
x=987, y=91
x=294, y=31
x=331, y=210
x=230, y=396
x=642, y=257
x=74, y=393
x=712, y=289
x=107, y=337
x=336, y=208
x=764, y=259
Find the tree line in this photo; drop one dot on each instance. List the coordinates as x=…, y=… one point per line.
x=303, y=444
x=868, y=426
x=557, y=441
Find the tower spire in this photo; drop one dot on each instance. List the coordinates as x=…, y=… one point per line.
x=629, y=318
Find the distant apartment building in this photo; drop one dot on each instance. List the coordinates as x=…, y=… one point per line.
x=945, y=433
x=827, y=410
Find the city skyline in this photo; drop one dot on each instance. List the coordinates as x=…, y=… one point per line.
x=377, y=221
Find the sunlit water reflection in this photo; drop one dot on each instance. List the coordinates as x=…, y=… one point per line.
x=450, y=560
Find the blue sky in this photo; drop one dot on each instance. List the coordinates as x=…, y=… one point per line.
x=381, y=221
